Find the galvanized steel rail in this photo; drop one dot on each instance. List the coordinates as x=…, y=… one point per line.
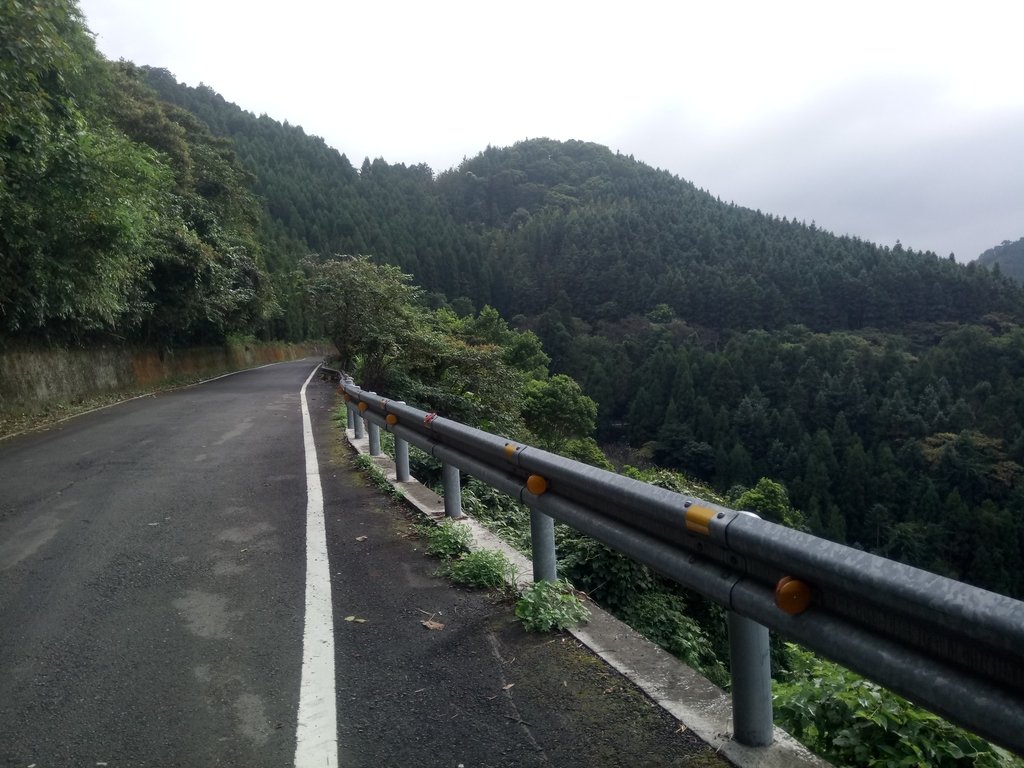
x=949, y=647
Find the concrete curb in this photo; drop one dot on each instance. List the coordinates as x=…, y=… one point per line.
x=697, y=703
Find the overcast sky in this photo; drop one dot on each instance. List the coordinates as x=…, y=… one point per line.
x=891, y=120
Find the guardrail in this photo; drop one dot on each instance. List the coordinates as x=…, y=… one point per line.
x=949, y=647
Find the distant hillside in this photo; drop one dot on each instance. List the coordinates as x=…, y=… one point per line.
x=1009, y=256
x=602, y=236
x=617, y=237
x=318, y=202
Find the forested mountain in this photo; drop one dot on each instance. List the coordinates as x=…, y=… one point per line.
x=514, y=227
x=1008, y=256
x=627, y=238
x=883, y=387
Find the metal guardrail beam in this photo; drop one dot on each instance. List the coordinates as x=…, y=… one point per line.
x=950, y=647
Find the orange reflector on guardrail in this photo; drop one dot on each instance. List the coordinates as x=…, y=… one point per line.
x=363, y=406
x=792, y=596
x=391, y=419
x=536, y=485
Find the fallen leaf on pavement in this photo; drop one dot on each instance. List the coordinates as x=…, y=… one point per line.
x=361, y=538
x=506, y=687
x=431, y=624
x=355, y=619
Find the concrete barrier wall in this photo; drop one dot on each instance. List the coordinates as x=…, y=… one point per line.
x=38, y=380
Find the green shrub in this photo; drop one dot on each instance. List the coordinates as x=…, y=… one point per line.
x=425, y=468
x=499, y=513
x=612, y=580
x=548, y=605
x=851, y=721
x=485, y=568
x=663, y=618
x=448, y=540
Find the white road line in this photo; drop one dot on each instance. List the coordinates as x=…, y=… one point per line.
x=316, y=737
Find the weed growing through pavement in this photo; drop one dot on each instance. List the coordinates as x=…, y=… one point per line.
x=447, y=539
x=484, y=568
x=547, y=605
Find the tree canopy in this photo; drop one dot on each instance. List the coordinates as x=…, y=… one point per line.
x=121, y=216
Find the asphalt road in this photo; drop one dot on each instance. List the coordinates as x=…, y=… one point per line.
x=151, y=579
x=152, y=576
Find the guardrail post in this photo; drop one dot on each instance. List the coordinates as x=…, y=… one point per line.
x=452, y=491
x=750, y=667
x=374, y=438
x=402, y=460
x=542, y=540
x=350, y=411
x=358, y=425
